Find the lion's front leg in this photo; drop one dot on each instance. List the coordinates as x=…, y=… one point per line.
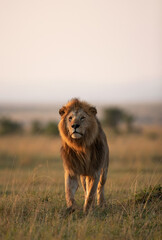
x=71, y=185
x=83, y=182
x=91, y=187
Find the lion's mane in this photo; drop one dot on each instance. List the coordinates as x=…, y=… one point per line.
x=82, y=156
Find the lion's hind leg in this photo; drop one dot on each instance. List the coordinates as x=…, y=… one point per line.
x=83, y=182
x=100, y=188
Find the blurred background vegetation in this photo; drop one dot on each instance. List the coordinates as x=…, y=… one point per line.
x=113, y=117
x=9, y=126
x=39, y=120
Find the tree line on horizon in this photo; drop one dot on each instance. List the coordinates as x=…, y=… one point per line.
x=9, y=126
x=113, y=117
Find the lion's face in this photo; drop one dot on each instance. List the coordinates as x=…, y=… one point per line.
x=78, y=125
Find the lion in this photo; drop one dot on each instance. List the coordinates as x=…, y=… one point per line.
x=84, y=151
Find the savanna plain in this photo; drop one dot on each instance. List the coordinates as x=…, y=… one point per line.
x=32, y=201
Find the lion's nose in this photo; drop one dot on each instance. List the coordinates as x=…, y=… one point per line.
x=75, y=126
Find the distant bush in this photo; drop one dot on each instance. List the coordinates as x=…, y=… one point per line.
x=153, y=135
x=51, y=128
x=36, y=127
x=114, y=116
x=8, y=126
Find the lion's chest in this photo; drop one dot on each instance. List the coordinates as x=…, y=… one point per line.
x=80, y=163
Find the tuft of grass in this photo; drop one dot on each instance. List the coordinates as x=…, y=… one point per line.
x=150, y=194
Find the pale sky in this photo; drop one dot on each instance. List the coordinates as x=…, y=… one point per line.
x=99, y=50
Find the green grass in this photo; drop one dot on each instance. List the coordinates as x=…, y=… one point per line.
x=32, y=201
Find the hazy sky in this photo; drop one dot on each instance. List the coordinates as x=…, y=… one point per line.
x=98, y=50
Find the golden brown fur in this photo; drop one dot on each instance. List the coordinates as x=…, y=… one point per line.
x=84, y=152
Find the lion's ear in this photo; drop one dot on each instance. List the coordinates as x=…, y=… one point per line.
x=93, y=110
x=62, y=110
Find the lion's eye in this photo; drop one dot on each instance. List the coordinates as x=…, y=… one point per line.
x=70, y=118
x=82, y=118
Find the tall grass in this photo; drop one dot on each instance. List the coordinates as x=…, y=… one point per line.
x=32, y=202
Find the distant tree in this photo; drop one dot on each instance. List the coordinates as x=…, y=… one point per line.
x=51, y=129
x=112, y=117
x=8, y=126
x=129, y=120
x=36, y=127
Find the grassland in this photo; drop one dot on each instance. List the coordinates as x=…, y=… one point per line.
x=32, y=202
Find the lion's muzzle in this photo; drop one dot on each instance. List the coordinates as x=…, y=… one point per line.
x=76, y=135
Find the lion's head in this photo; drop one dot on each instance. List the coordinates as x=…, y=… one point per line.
x=78, y=125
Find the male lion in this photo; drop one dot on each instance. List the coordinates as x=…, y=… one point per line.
x=84, y=152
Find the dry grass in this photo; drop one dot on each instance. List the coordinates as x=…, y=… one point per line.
x=32, y=199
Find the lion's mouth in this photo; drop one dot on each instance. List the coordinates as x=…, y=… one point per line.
x=76, y=134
